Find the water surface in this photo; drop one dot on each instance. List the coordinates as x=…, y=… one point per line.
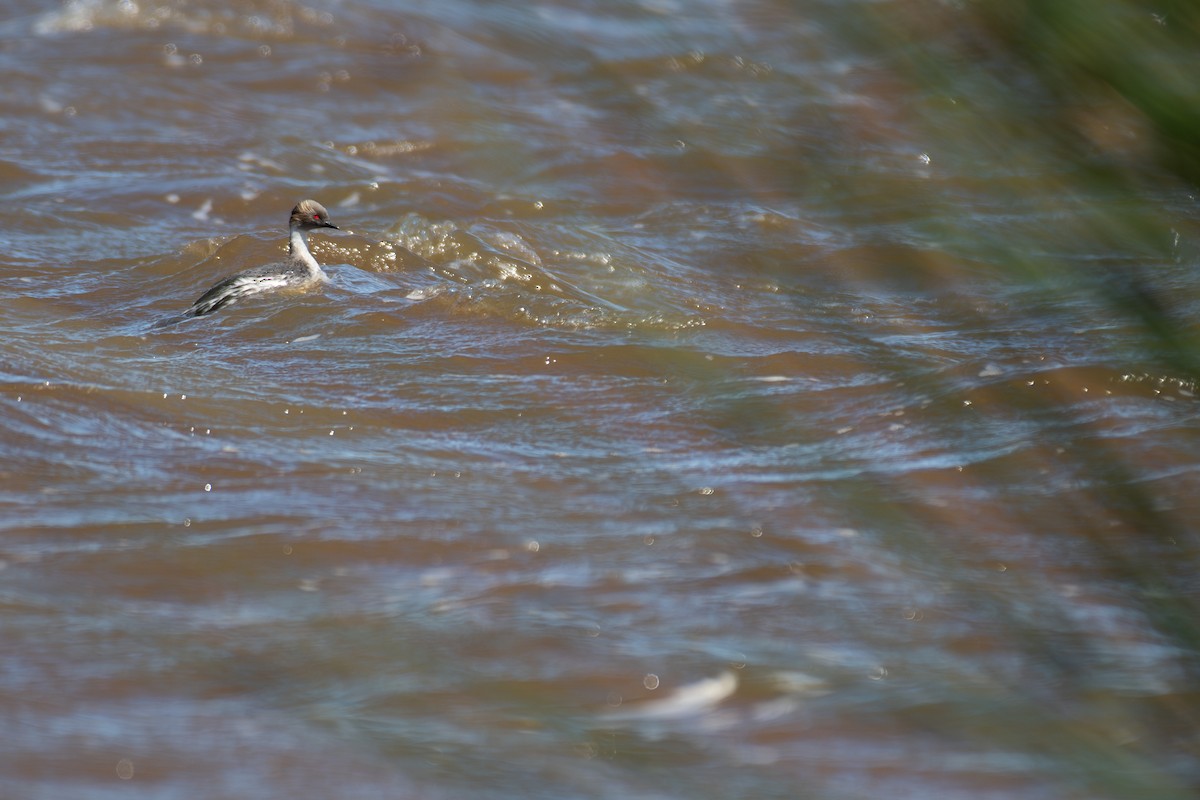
x=701, y=406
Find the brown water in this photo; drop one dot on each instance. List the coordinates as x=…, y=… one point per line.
x=673, y=425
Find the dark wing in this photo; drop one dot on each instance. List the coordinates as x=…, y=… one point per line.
x=235, y=287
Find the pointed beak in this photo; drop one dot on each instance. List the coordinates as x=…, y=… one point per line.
x=330, y=225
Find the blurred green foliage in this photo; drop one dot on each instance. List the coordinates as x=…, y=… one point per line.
x=1094, y=105
x=1084, y=114
x=1147, y=53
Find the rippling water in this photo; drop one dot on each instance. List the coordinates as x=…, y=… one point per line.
x=682, y=419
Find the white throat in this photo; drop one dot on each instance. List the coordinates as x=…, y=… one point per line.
x=298, y=248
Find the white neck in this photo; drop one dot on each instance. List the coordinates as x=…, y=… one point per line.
x=298, y=249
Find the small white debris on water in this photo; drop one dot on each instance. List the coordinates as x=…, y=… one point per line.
x=990, y=371
x=686, y=701
x=203, y=211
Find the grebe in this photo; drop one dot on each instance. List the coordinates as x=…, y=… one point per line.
x=300, y=271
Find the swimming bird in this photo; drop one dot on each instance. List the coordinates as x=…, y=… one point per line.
x=300, y=271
